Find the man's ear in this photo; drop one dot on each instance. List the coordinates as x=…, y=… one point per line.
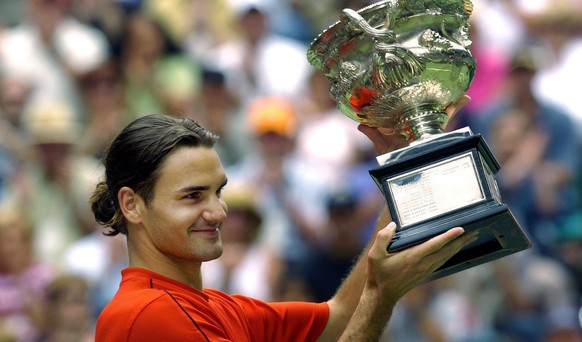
x=131, y=204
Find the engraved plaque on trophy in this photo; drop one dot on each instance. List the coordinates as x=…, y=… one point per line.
x=397, y=64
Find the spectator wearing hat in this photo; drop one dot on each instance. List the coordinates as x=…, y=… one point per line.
x=46, y=183
x=289, y=196
x=330, y=257
x=247, y=265
x=535, y=143
x=537, y=146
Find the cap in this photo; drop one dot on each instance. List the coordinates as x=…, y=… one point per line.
x=272, y=114
x=243, y=7
x=52, y=123
x=526, y=57
x=342, y=199
x=212, y=76
x=242, y=197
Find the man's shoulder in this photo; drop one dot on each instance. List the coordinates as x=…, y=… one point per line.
x=150, y=314
x=142, y=296
x=130, y=311
x=135, y=302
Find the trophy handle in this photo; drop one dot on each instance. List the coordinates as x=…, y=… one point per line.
x=349, y=16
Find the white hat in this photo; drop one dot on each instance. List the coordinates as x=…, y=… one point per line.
x=52, y=123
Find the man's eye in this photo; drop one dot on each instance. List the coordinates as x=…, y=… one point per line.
x=193, y=195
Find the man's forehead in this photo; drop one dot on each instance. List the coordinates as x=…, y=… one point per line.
x=192, y=163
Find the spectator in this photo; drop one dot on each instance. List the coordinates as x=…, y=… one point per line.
x=260, y=63
x=212, y=24
x=219, y=109
x=247, y=266
x=536, y=145
x=102, y=95
x=94, y=257
x=23, y=277
x=537, y=298
x=331, y=256
x=14, y=145
x=490, y=78
x=46, y=183
x=413, y=321
x=442, y=311
x=68, y=314
x=51, y=48
x=158, y=77
x=327, y=141
x=289, y=196
x=557, y=25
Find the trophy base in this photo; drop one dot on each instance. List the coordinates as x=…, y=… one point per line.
x=448, y=182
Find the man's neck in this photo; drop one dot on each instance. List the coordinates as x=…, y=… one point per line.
x=187, y=272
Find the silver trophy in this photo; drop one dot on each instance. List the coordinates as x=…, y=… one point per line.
x=397, y=64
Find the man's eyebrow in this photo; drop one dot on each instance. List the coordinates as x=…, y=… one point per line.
x=194, y=188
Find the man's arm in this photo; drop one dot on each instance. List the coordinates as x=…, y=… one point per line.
x=363, y=304
x=344, y=303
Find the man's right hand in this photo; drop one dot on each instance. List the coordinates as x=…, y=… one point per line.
x=391, y=275
x=394, y=274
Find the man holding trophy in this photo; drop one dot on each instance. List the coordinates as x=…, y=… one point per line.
x=397, y=66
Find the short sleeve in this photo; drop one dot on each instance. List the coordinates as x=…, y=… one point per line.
x=285, y=321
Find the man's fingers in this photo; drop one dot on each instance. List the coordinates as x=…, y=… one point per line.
x=371, y=132
x=384, y=139
x=438, y=242
x=383, y=238
x=450, y=249
x=455, y=107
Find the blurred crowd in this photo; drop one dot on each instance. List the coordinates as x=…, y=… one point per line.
x=301, y=202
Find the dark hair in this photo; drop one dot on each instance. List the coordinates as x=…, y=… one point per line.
x=134, y=159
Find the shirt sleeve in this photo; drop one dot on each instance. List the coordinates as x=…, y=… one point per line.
x=285, y=321
x=171, y=316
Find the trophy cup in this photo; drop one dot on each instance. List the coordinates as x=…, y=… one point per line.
x=397, y=64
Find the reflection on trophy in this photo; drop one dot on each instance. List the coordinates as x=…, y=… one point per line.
x=397, y=64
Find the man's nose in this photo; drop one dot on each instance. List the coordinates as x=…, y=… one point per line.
x=215, y=212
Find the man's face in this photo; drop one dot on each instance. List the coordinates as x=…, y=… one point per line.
x=184, y=218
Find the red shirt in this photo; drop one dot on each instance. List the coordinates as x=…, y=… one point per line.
x=151, y=307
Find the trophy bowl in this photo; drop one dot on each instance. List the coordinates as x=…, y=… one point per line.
x=397, y=64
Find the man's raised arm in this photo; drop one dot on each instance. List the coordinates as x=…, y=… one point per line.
x=363, y=304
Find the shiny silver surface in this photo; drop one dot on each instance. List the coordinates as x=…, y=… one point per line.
x=398, y=63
